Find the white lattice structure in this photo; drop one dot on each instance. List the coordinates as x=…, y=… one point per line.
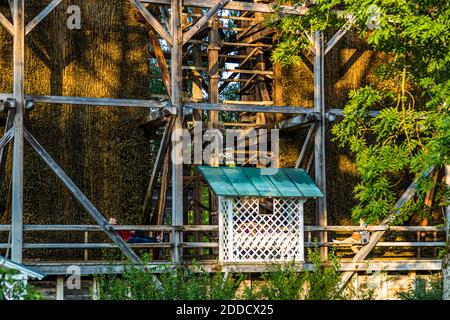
x=248, y=235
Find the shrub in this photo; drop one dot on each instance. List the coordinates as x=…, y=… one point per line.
x=13, y=289
x=419, y=290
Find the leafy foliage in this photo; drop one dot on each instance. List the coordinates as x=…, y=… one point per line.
x=418, y=290
x=13, y=289
x=410, y=134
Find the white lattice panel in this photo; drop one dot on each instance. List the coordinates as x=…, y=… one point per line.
x=246, y=235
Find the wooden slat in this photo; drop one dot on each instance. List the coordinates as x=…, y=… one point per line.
x=41, y=16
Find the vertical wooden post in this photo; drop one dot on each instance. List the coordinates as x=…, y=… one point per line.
x=18, y=149
x=177, y=137
x=213, y=69
x=320, y=137
x=446, y=262
x=197, y=96
x=60, y=288
x=213, y=97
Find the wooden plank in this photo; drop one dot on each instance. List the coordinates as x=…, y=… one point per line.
x=7, y=24
x=177, y=137
x=153, y=21
x=376, y=236
x=18, y=148
x=242, y=107
x=81, y=198
x=239, y=6
x=89, y=268
x=320, y=136
x=41, y=16
x=204, y=19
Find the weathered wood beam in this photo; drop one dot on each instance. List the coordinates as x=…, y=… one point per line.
x=18, y=148
x=203, y=20
x=376, y=236
x=177, y=136
x=100, y=102
x=153, y=21
x=320, y=136
x=3, y=150
x=81, y=197
x=41, y=16
x=242, y=107
x=6, y=24
x=238, y=6
x=87, y=268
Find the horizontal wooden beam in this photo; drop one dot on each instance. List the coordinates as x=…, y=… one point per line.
x=100, y=102
x=205, y=228
x=238, y=6
x=90, y=268
x=248, y=108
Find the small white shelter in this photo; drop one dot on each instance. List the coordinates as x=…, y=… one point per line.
x=261, y=212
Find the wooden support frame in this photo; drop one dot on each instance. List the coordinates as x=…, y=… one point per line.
x=153, y=21
x=156, y=166
x=203, y=20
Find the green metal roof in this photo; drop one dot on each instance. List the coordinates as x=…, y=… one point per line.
x=260, y=182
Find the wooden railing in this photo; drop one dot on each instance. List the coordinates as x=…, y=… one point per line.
x=309, y=240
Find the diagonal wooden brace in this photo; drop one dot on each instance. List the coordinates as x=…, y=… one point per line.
x=81, y=197
x=376, y=236
x=153, y=21
x=203, y=20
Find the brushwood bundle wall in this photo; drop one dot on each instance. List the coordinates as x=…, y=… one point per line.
x=102, y=149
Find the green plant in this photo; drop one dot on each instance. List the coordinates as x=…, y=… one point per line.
x=11, y=288
x=287, y=282
x=179, y=283
x=411, y=132
x=419, y=290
